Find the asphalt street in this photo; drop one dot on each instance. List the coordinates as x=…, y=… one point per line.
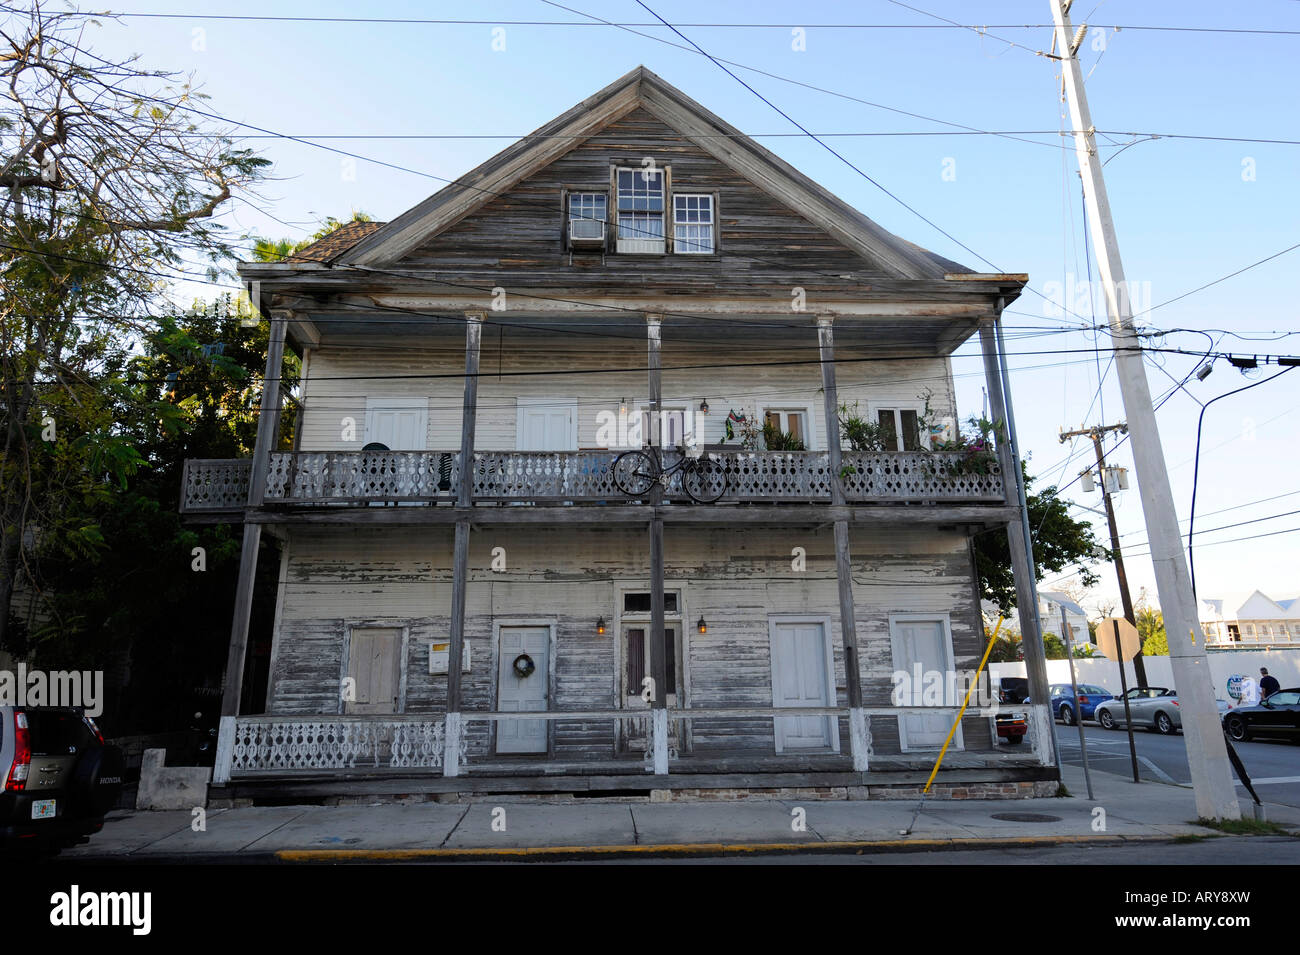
x=1273, y=766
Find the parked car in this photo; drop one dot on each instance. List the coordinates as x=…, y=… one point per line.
x=1065, y=706
x=1013, y=689
x=1012, y=727
x=58, y=778
x=1153, y=708
x=1277, y=715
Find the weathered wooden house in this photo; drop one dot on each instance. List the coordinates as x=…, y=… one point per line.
x=468, y=600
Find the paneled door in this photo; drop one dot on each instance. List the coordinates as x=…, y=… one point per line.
x=374, y=669
x=547, y=424
x=800, y=677
x=925, y=642
x=523, y=678
x=636, y=667
x=399, y=424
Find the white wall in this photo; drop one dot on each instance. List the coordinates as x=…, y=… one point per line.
x=1283, y=664
x=337, y=383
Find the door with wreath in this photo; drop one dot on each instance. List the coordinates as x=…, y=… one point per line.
x=523, y=676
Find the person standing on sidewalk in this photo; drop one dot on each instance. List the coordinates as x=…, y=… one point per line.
x=1268, y=685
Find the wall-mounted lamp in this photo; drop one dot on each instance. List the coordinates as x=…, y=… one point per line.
x=600, y=627
x=622, y=406
x=704, y=406
x=703, y=627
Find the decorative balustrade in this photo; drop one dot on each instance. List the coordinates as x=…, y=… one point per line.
x=545, y=476
x=580, y=477
x=215, y=485
x=359, y=477
x=280, y=743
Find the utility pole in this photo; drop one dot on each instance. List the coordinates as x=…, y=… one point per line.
x=1139, y=668
x=1207, y=756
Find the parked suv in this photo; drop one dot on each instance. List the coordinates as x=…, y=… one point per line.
x=58, y=778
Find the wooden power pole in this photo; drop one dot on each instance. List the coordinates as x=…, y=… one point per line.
x=1126, y=599
x=1207, y=756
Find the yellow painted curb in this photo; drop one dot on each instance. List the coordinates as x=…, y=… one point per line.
x=689, y=848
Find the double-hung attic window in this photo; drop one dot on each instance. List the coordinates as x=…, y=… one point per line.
x=640, y=210
x=692, y=223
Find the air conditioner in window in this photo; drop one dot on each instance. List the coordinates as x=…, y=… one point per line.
x=586, y=233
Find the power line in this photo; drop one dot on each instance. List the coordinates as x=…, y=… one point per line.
x=1225, y=510
x=1233, y=540
x=423, y=21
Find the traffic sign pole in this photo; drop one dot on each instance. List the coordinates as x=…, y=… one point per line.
x=1068, y=631
x=1114, y=642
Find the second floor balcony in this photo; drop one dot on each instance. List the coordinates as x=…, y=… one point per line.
x=322, y=479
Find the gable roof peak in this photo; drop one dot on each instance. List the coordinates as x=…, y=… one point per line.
x=642, y=88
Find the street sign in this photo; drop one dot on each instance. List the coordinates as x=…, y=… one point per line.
x=1118, y=639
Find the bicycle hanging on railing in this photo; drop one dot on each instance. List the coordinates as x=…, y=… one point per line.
x=704, y=479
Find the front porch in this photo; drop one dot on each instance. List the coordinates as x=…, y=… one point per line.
x=327, y=755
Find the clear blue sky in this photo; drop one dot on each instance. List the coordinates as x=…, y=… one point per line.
x=1185, y=213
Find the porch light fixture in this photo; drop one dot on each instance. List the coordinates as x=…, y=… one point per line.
x=704, y=406
x=600, y=626
x=622, y=406
x=703, y=627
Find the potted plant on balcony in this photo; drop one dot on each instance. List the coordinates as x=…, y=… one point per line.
x=974, y=446
x=774, y=439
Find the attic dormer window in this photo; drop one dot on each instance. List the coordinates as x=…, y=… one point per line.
x=640, y=210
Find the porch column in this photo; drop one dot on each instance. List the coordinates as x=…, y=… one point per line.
x=460, y=554
x=658, y=646
x=858, y=735
x=1043, y=735
x=268, y=426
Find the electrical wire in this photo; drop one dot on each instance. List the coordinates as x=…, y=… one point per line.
x=1196, y=471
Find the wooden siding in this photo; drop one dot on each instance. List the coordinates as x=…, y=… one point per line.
x=336, y=577
x=342, y=378
x=762, y=243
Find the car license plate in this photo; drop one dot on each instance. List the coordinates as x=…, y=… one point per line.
x=43, y=809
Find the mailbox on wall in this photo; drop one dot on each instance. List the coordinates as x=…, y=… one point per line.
x=440, y=653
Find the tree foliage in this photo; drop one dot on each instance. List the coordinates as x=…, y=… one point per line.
x=111, y=176
x=1151, y=628
x=1061, y=544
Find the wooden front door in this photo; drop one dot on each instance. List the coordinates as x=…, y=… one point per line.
x=800, y=678
x=523, y=678
x=374, y=671
x=636, y=667
x=925, y=642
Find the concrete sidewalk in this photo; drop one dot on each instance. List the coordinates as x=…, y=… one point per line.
x=527, y=828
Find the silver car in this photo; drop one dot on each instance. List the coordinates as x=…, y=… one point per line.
x=1152, y=707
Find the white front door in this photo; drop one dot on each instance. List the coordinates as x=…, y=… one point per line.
x=547, y=424
x=374, y=671
x=925, y=642
x=800, y=677
x=399, y=424
x=523, y=674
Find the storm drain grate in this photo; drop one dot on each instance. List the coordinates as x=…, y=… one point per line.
x=1025, y=817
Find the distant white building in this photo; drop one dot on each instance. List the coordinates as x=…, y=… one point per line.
x=1050, y=604
x=1254, y=619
